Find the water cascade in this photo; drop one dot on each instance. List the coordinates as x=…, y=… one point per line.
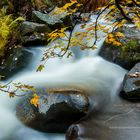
x=85, y=70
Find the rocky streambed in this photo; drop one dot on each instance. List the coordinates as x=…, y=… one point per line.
x=84, y=97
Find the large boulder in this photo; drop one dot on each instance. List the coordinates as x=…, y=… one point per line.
x=56, y=111
x=131, y=84
x=128, y=54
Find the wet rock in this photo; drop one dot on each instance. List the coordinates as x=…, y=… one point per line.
x=18, y=60
x=53, y=19
x=31, y=27
x=81, y=18
x=117, y=120
x=34, y=39
x=45, y=18
x=34, y=33
x=131, y=84
x=57, y=110
x=64, y=16
x=128, y=54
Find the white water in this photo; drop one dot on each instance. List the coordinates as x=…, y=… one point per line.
x=85, y=70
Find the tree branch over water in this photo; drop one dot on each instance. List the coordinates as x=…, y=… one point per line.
x=122, y=12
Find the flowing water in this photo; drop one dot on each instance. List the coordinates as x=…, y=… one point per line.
x=85, y=70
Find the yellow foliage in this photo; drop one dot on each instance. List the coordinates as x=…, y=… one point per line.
x=35, y=100
x=57, y=34
x=137, y=22
x=109, y=13
x=94, y=47
x=83, y=26
x=117, y=43
x=67, y=8
x=113, y=38
x=7, y=26
x=119, y=34
x=11, y=94
x=40, y=68
x=110, y=36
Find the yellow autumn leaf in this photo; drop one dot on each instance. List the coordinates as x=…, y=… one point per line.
x=61, y=35
x=106, y=30
x=40, y=68
x=117, y=43
x=137, y=24
x=83, y=26
x=78, y=5
x=35, y=100
x=110, y=35
x=11, y=94
x=63, y=29
x=119, y=34
x=94, y=47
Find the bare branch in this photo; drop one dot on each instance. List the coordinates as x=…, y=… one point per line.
x=122, y=12
x=96, y=24
x=73, y=27
x=7, y=91
x=138, y=5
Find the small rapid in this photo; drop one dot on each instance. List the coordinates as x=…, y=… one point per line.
x=85, y=70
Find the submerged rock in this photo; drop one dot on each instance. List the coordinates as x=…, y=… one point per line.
x=128, y=54
x=131, y=84
x=57, y=110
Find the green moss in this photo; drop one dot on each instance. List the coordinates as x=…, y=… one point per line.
x=130, y=50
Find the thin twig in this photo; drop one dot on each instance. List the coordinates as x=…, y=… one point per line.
x=122, y=12
x=138, y=5
x=96, y=24
x=73, y=27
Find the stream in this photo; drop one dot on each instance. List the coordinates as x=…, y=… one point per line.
x=85, y=70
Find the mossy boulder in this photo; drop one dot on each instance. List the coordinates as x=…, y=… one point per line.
x=126, y=55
